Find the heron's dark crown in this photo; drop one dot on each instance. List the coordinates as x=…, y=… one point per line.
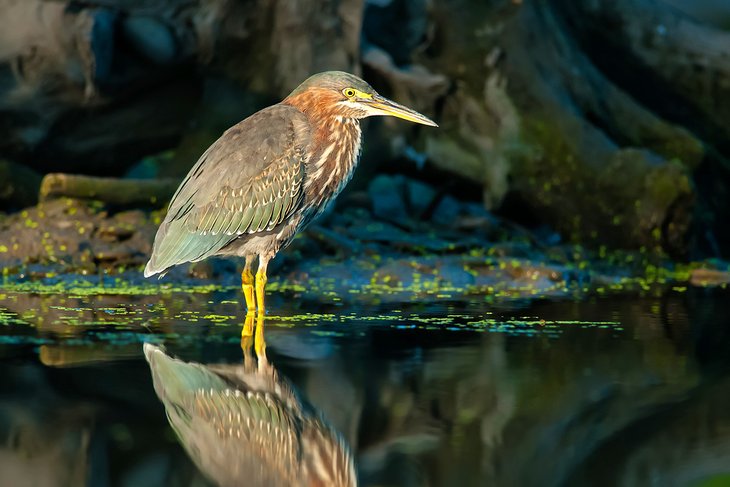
x=334, y=80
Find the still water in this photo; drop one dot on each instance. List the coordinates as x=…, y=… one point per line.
x=612, y=391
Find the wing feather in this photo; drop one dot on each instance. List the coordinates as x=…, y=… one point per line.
x=275, y=213
x=286, y=203
x=246, y=220
x=250, y=180
x=266, y=216
x=256, y=221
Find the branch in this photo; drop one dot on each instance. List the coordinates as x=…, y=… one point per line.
x=126, y=192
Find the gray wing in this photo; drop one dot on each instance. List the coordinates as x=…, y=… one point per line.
x=250, y=180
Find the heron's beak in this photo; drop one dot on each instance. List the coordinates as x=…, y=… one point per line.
x=379, y=105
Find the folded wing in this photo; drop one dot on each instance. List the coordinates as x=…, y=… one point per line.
x=249, y=181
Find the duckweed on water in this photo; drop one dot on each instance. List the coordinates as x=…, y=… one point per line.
x=141, y=316
x=10, y=319
x=84, y=288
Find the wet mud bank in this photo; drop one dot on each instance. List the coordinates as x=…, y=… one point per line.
x=378, y=246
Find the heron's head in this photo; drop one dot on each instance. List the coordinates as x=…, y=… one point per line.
x=344, y=94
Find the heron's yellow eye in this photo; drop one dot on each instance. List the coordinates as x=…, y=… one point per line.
x=349, y=92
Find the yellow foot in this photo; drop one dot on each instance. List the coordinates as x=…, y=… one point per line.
x=247, y=283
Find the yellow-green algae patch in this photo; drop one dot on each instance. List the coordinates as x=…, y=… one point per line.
x=7, y=318
x=81, y=288
x=452, y=322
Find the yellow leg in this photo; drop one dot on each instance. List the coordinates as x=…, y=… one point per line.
x=247, y=282
x=251, y=335
x=261, y=284
x=247, y=333
x=259, y=344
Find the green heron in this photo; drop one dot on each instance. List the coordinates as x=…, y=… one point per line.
x=268, y=176
x=245, y=425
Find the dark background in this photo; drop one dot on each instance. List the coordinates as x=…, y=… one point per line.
x=602, y=123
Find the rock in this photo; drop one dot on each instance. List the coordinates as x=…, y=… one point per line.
x=454, y=274
x=201, y=270
x=116, y=254
x=75, y=235
x=709, y=277
x=334, y=240
x=111, y=231
x=476, y=210
x=151, y=38
x=419, y=196
x=399, y=239
x=447, y=211
x=403, y=274
x=124, y=226
x=386, y=196
x=131, y=218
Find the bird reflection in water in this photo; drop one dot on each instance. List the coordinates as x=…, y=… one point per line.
x=245, y=424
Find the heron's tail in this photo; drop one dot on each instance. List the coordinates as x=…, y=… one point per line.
x=174, y=379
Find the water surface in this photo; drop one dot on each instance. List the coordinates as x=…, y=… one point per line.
x=610, y=391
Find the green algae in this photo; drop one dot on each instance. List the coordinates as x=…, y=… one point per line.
x=84, y=288
x=8, y=318
x=214, y=318
x=450, y=322
x=476, y=274
x=145, y=318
